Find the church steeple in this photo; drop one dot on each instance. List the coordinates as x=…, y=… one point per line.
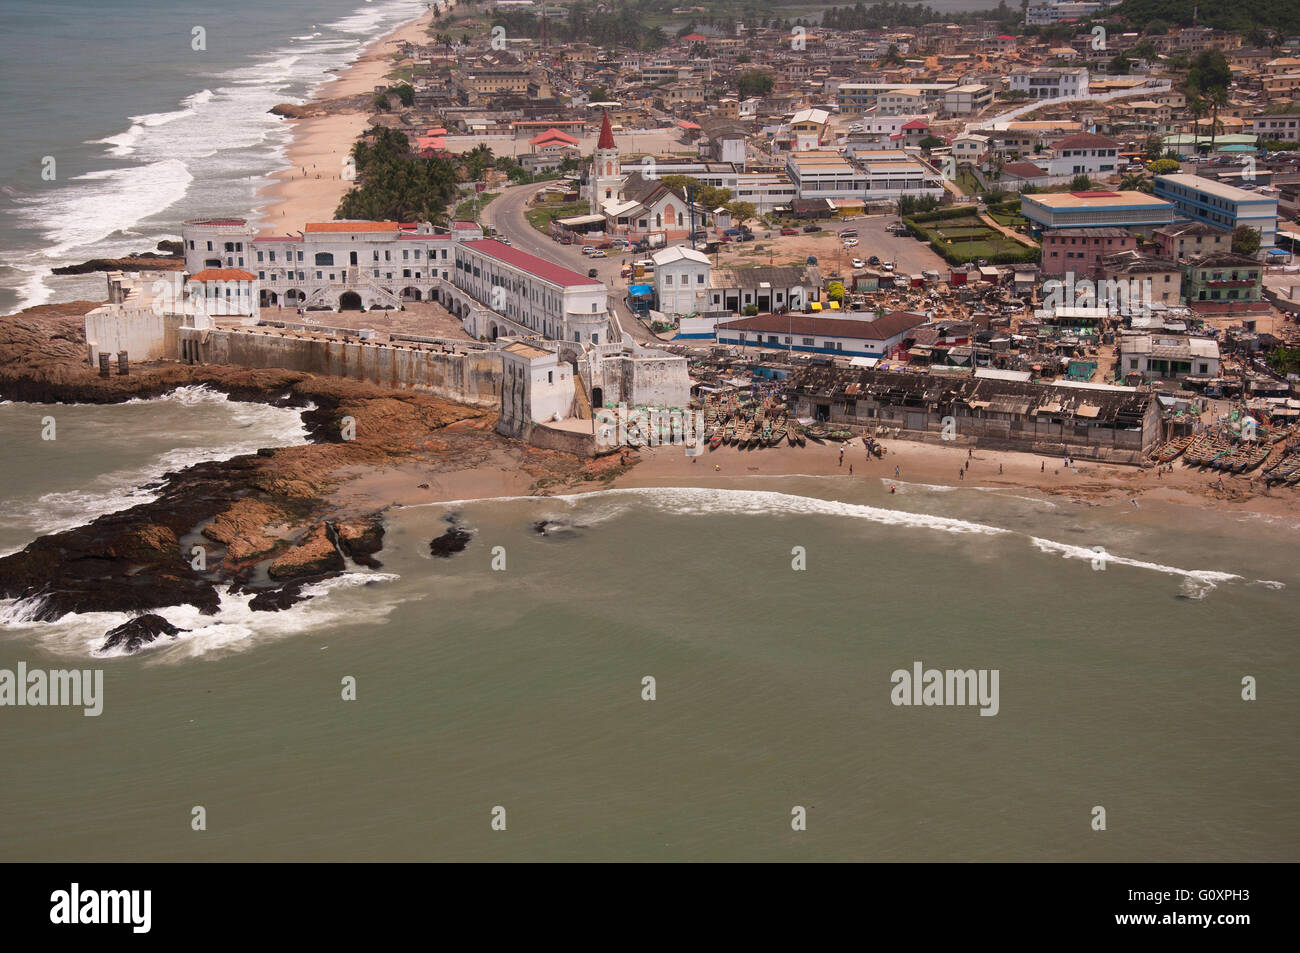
x=606, y=140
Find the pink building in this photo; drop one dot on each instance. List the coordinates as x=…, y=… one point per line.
x=1080, y=250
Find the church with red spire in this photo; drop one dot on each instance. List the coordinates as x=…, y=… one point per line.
x=605, y=180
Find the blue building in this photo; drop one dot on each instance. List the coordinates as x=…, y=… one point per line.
x=1221, y=206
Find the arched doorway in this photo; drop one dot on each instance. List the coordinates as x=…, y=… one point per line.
x=410, y=294
x=494, y=332
x=597, y=397
x=350, y=301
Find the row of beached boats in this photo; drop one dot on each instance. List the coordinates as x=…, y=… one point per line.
x=1216, y=450
x=1286, y=470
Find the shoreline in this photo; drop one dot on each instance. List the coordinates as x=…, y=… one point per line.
x=310, y=186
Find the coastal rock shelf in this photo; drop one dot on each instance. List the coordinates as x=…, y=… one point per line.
x=270, y=522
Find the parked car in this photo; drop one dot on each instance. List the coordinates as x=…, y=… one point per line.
x=745, y=237
x=587, y=249
x=874, y=261
x=593, y=273
x=733, y=232
x=503, y=240
x=812, y=260
x=850, y=243
x=888, y=266
x=599, y=254
x=812, y=228
x=700, y=235
x=789, y=231
x=859, y=263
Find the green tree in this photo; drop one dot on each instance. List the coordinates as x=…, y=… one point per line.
x=1245, y=240
x=835, y=291
x=741, y=212
x=753, y=83
x=1209, y=78
x=1081, y=183
x=1119, y=65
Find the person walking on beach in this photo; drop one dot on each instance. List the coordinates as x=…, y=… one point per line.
x=850, y=469
x=895, y=471
x=961, y=474
x=841, y=456
x=999, y=469
x=1042, y=466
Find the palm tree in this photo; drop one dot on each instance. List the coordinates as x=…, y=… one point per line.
x=1196, y=109
x=1132, y=182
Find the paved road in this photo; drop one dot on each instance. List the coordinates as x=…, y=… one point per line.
x=506, y=212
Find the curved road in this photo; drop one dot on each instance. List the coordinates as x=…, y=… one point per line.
x=506, y=212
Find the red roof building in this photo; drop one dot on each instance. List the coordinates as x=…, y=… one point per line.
x=547, y=271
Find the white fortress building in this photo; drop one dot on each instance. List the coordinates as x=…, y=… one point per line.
x=493, y=288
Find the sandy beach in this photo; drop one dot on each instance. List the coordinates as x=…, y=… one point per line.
x=310, y=188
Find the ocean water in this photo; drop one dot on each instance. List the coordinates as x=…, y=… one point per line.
x=144, y=130
x=511, y=676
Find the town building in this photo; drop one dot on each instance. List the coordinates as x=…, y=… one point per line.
x=1167, y=357
x=1096, y=210
x=1081, y=250
x=681, y=280
x=1058, y=83
x=1084, y=154
x=852, y=333
x=1221, y=205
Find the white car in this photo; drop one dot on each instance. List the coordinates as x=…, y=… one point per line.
x=859, y=263
x=888, y=266
x=587, y=249
x=850, y=243
x=598, y=254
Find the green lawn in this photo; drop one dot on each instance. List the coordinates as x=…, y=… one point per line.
x=468, y=210
x=541, y=216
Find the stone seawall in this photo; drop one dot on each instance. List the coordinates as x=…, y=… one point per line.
x=471, y=377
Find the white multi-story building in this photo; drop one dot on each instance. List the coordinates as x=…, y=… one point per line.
x=1058, y=83
x=880, y=177
x=681, y=280
x=537, y=295
x=1084, y=154
x=967, y=99
x=328, y=265
x=340, y=266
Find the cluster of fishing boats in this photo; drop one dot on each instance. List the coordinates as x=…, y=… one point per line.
x=1224, y=450
x=748, y=424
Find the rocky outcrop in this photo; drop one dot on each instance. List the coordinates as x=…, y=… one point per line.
x=361, y=538
x=451, y=542
x=135, y=634
x=316, y=554
x=136, y=262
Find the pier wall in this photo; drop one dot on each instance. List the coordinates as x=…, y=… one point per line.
x=471, y=377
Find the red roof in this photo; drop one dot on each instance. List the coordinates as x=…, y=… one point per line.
x=223, y=274
x=916, y=124
x=1094, y=195
x=694, y=38
x=1086, y=140
x=552, y=135
x=547, y=271
x=606, y=140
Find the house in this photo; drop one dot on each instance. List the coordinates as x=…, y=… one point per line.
x=1084, y=154
x=853, y=333
x=1081, y=250
x=1167, y=356
x=1223, y=277
x=1064, y=82
x=681, y=280
x=1160, y=279
x=967, y=99
x=1184, y=240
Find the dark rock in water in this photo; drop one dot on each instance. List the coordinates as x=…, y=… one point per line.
x=315, y=553
x=453, y=541
x=555, y=529
x=274, y=600
x=138, y=632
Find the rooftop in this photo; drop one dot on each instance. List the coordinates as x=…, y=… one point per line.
x=546, y=270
